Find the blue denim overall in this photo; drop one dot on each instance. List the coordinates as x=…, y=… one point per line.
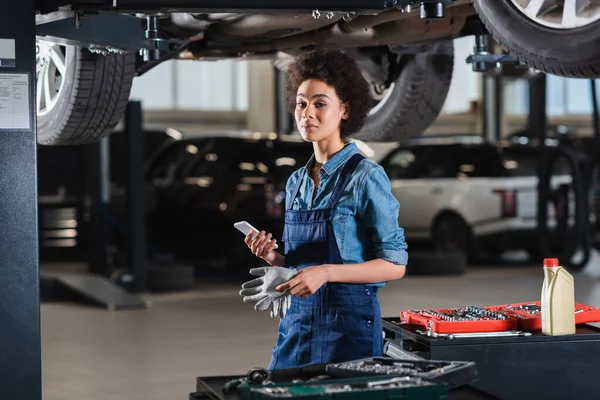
x=339, y=322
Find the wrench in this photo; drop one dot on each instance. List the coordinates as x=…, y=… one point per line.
x=472, y=335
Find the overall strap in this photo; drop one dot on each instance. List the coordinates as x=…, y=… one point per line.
x=345, y=176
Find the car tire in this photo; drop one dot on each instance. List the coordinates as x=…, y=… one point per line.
x=451, y=234
x=415, y=99
x=569, y=52
x=91, y=97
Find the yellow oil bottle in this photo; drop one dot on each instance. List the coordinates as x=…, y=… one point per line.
x=558, y=300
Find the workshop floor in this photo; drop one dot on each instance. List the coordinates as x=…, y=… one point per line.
x=156, y=354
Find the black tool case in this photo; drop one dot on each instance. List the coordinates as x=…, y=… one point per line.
x=445, y=375
x=354, y=388
x=511, y=367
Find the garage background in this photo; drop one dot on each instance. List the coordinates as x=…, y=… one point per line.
x=182, y=94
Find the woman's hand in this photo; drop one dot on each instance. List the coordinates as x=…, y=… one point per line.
x=261, y=247
x=306, y=282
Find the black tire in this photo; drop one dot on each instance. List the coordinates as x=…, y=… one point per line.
x=450, y=234
x=564, y=52
x=436, y=264
x=416, y=98
x=91, y=100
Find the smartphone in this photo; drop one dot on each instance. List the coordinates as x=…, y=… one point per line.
x=246, y=228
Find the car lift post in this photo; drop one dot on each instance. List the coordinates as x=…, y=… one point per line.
x=538, y=125
x=98, y=185
x=284, y=122
x=136, y=205
x=492, y=107
x=20, y=342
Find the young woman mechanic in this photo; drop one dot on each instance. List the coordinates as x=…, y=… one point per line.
x=341, y=230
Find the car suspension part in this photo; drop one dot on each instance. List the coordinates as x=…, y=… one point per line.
x=483, y=59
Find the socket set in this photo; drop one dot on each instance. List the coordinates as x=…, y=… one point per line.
x=529, y=315
x=460, y=320
x=501, y=318
x=451, y=373
x=377, y=378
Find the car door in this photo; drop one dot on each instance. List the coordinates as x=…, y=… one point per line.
x=431, y=188
x=481, y=181
x=412, y=171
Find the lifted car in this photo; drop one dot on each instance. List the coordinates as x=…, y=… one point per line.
x=88, y=52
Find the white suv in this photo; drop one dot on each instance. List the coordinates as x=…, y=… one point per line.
x=466, y=194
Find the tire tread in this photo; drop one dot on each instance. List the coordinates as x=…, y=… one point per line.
x=98, y=97
x=422, y=89
x=583, y=68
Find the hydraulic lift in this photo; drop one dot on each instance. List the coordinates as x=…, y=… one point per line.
x=20, y=340
x=20, y=344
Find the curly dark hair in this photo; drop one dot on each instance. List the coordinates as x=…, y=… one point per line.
x=338, y=70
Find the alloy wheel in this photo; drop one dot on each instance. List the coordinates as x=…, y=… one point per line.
x=51, y=69
x=381, y=95
x=560, y=14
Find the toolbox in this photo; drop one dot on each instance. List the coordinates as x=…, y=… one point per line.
x=366, y=387
x=532, y=366
x=474, y=319
x=372, y=378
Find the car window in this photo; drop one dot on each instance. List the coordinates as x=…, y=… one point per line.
x=226, y=157
x=401, y=164
x=478, y=162
x=250, y=169
x=287, y=157
x=168, y=165
x=435, y=162
x=522, y=161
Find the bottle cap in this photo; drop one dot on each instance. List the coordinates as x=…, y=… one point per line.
x=550, y=262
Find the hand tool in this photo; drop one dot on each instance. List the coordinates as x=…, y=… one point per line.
x=472, y=335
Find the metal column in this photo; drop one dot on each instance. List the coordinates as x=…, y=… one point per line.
x=537, y=124
x=98, y=183
x=20, y=360
x=136, y=192
x=284, y=122
x=492, y=107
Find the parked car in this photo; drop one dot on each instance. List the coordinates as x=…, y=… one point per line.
x=469, y=195
x=68, y=182
x=200, y=186
x=88, y=52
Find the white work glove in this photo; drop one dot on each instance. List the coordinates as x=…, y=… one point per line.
x=262, y=290
x=281, y=305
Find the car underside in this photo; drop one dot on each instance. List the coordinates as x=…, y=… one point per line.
x=403, y=47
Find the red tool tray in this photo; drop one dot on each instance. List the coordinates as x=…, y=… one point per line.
x=530, y=319
x=438, y=321
x=516, y=316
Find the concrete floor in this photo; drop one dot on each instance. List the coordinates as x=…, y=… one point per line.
x=156, y=354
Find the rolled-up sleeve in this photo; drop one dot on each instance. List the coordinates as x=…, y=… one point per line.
x=379, y=211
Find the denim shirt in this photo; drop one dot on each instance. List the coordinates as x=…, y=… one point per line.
x=366, y=217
